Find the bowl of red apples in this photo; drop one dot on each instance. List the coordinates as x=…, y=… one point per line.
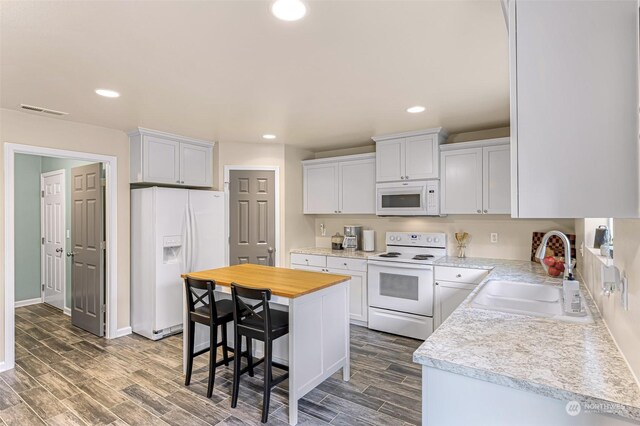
x=554, y=266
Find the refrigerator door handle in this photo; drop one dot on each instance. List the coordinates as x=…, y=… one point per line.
x=192, y=237
x=187, y=241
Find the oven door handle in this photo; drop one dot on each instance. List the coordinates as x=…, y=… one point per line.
x=400, y=265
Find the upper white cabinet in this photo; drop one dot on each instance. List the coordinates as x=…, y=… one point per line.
x=574, y=108
x=408, y=156
x=475, y=177
x=340, y=185
x=163, y=158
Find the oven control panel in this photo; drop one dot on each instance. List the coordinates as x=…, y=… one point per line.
x=418, y=239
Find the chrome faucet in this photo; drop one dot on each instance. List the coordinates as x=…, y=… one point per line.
x=568, y=269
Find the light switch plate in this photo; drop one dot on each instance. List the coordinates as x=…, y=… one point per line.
x=494, y=237
x=624, y=293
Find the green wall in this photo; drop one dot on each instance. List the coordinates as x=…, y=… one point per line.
x=27, y=218
x=27, y=227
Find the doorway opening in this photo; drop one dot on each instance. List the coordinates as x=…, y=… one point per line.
x=60, y=230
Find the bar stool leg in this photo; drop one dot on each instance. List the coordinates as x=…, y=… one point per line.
x=213, y=351
x=225, y=345
x=267, y=380
x=250, y=355
x=190, y=349
x=237, y=358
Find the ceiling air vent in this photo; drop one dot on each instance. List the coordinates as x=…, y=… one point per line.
x=43, y=110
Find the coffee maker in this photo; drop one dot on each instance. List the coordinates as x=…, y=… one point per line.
x=352, y=237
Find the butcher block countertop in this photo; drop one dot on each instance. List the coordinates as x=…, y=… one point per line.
x=283, y=282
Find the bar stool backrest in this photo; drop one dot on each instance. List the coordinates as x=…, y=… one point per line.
x=200, y=293
x=260, y=311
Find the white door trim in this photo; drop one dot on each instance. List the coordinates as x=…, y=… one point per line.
x=276, y=170
x=111, y=222
x=44, y=175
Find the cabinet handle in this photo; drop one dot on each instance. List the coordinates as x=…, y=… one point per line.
x=459, y=276
x=401, y=177
x=177, y=181
x=406, y=177
x=182, y=182
x=479, y=211
x=345, y=264
x=486, y=211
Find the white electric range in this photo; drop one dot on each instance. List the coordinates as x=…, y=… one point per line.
x=401, y=283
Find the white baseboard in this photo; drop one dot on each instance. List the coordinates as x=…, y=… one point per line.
x=3, y=366
x=21, y=303
x=123, y=331
x=66, y=311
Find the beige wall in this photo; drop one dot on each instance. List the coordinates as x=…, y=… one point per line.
x=29, y=129
x=298, y=226
x=514, y=235
x=623, y=324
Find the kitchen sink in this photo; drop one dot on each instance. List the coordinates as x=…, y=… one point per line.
x=540, y=300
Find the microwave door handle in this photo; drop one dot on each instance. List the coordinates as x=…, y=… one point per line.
x=400, y=265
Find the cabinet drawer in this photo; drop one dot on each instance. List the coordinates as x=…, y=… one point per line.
x=347, y=263
x=308, y=260
x=460, y=275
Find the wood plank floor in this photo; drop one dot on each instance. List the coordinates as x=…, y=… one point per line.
x=65, y=376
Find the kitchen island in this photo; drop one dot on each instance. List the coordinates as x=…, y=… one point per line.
x=318, y=305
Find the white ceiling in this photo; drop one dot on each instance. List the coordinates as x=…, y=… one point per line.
x=230, y=71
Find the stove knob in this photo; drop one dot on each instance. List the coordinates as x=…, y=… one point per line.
x=428, y=239
x=398, y=238
x=392, y=238
x=436, y=240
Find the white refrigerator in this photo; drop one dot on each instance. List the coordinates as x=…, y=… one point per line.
x=173, y=231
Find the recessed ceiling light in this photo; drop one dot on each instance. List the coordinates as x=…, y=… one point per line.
x=288, y=10
x=108, y=93
x=269, y=136
x=416, y=109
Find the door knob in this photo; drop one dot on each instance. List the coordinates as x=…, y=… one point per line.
x=71, y=253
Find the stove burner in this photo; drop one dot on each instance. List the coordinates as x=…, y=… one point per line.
x=390, y=254
x=422, y=256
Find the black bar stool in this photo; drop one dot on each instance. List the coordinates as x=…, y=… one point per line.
x=258, y=322
x=211, y=313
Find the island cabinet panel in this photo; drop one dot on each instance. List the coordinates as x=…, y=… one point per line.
x=574, y=109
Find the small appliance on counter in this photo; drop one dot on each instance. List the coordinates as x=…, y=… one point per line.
x=352, y=237
x=601, y=236
x=337, y=241
x=368, y=240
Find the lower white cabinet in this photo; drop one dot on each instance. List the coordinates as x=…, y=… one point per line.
x=355, y=268
x=452, y=286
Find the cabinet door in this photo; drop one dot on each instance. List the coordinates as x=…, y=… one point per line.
x=357, y=294
x=576, y=149
x=161, y=160
x=358, y=187
x=321, y=189
x=496, y=168
x=421, y=157
x=195, y=165
x=449, y=296
x=389, y=160
x=461, y=181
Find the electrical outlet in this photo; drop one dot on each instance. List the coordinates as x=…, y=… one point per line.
x=494, y=237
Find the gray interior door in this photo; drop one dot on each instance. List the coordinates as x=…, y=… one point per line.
x=252, y=221
x=87, y=237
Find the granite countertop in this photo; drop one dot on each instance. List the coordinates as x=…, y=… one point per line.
x=325, y=251
x=561, y=360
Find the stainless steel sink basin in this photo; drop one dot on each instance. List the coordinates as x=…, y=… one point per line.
x=540, y=300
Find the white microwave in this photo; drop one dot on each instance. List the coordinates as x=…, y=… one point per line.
x=417, y=198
